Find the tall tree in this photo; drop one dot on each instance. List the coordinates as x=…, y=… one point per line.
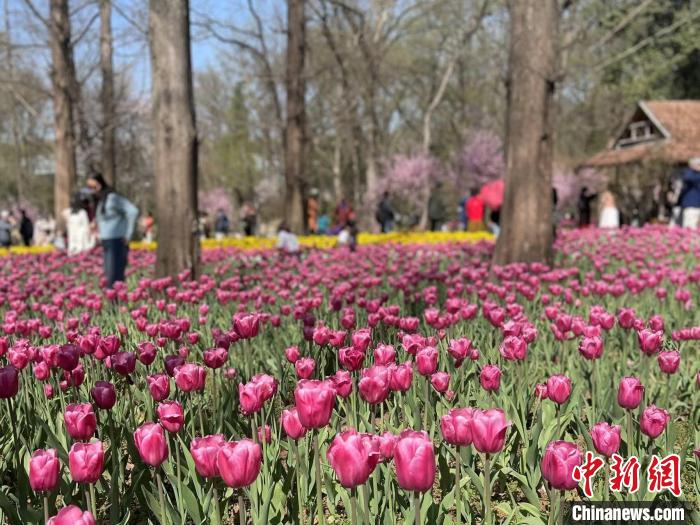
x=526, y=215
x=63, y=82
x=107, y=95
x=175, y=152
x=295, y=130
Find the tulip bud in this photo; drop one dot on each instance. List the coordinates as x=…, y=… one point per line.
x=171, y=416
x=414, y=458
x=44, y=470
x=456, y=426
x=80, y=421
x=86, y=462
x=630, y=393
x=151, y=443
x=104, y=395
x=353, y=457
x=559, y=388
x=606, y=438
x=72, y=515
x=314, y=400
x=490, y=378
x=291, y=424
x=239, y=462
x=205, y=451
x=558, y=464
x=653, y=421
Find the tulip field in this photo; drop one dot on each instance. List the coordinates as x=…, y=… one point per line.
x=398, y=384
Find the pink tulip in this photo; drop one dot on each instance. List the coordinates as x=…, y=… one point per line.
x=361, y=339
x=653, y=421
x=374, y=384
x=80, y=421
x=351, y=358
x=265, y=434
x=490, y=378
x=591, y=347
x=151, y=443
x=158, y=386
x=400, y=377
x=541, y=391
x=314, y=400
x=456, y=426
x=387, y=444
x=246, y=326
x=86, y=462
x=215, y=357
x=459, y=348
x=669, y=361
x=427, y=361
x=292, y=354
x=489, y=429
x=440, y=381
x=190, y=377
x=304, y=367
x=291, y=424
x=171, y=416
x=606, y=438
x=239, y=462
x=559, y=388
x=414, y=459
x=649, y=341
x=630, y=393
x=205, y=451
x=71, y=515
x=44, y=469
x=353, y=457
x=342, y=382
x=384, y=355
x=513, y=348
x=558, y=464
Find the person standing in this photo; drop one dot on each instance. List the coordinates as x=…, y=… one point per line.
x=584, y=207
x=249, y=219
x=312, y=212
x=475, y=209
x=80, y=238
x=5, y=229
x=221, y=224
x=385, y=214
x=26, y=228
x=436, y=207
x=116, y=219
x=287, y=242
x=689, y=199
x=609, y=216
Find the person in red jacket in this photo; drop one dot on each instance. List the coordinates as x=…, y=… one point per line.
x=475, y=212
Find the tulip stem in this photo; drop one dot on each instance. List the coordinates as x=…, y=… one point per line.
x=217, y=510
x=86, y=493
x=93, y=500
x=241, y=509
x=365, y=497
x=416, y=507
x=458, y=487
x=46, y=509
x=606, y=475
x=180, y=510
x=487, y=489
x=558, y=434
x=114, y=509
x=319, y=482
x=427, y=404
x=297, y=472
x=353, y=505
x=161, y=496
x=630, y=446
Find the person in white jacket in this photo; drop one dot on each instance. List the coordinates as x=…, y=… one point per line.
x=80, y=236
x=609, y=216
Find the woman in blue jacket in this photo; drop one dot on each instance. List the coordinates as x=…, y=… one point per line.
x=115, y=216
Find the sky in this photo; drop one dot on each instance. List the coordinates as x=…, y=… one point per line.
x=129, y=23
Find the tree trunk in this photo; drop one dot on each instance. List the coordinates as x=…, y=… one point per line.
x=107, y=95
x=17, y=140
x=175, y=138
x=295, y=131
x=62, y=79
x=526, y=214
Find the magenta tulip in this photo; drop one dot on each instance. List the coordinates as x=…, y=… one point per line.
x=653, y=421
x=427, y=361
x=489, y=429
x=171, y=416
x=456, y=426
x=292, y=354
x=591, y=347
x=669, y=361
x=440, y=381
x=414, y=459
x=86, y=461
x=291, y=424
x=374, y=384
x=490, y=378
x=80, y=421
x=400, y=377
x=190, y=377
x=215, y=357
x=158, y=386
x=314, y=400
x=44, y=469
x=559, y=388
x=353, y=457
x=304, y=367
x=342, y=382
x=151, y=443
x=558, y=464
x=205, y=451
x=239, y=462
x=630, y=393
x=606, y=438
x=71, y=515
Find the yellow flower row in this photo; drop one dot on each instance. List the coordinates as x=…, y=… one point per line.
x=313, y=241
